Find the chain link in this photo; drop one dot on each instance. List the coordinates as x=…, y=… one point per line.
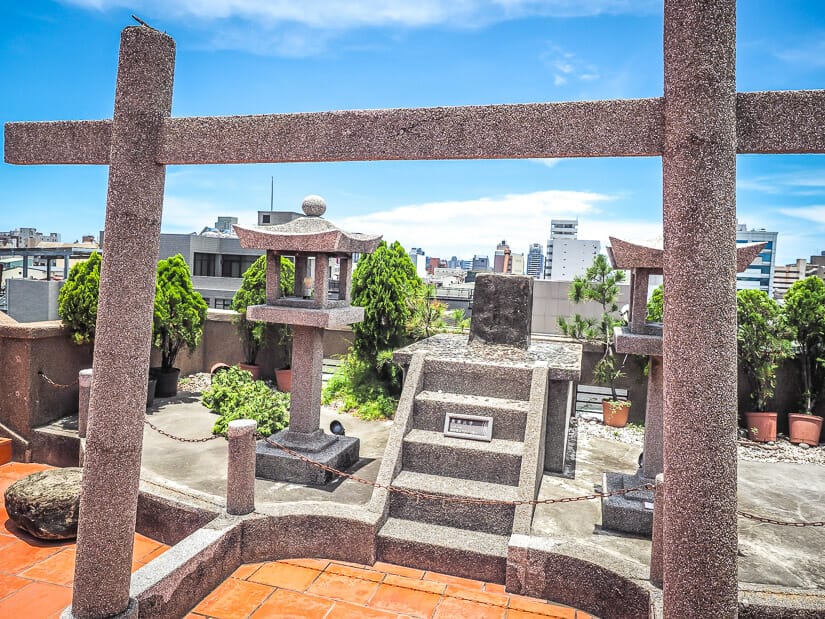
x=54, y=384
x=181, y=439
x=417, y=495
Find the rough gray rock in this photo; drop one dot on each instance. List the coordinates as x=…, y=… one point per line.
x=46, y=504
x=502, y=310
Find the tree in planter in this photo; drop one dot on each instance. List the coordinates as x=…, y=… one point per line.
x=179, y=316
x=656, y=305
x=253, y=292
x=77, y=300
x=600, y=284
x=805, y=313
x=762, y=341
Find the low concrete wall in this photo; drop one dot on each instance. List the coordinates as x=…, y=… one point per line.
x=32, y=300
x=550, y=301
x=27, y=400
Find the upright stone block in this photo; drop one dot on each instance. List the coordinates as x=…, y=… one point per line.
x=502, y=310
x=240, y=477
x=84, y=381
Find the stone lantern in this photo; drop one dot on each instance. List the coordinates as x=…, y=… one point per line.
x=309, y=239
x=633, y=512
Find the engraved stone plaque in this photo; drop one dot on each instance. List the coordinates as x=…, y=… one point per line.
x=471, y=427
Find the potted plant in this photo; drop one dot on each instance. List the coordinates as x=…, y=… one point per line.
x=762, y=339
x=805, y=313
x=253, y=333
x=179, y=315
x=600, y=284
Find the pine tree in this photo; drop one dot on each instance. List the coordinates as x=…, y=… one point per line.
x=77, y=300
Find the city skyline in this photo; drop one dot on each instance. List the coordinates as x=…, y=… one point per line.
x=237, y=58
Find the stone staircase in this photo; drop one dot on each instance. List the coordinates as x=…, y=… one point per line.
x=464, y=539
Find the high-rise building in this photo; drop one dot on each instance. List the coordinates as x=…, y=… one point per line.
x=535, y=261
x=759, y=274
x=419, y=260
x=517, y=264
x=786, y=276
x=481, y=264
x=567, y=255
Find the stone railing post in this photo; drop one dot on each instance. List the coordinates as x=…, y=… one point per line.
x=656, y=544
x=240, y=478
x=84, y=380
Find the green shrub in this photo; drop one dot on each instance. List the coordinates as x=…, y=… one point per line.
x=233, y=395
x=368, y=391
x=77, y=300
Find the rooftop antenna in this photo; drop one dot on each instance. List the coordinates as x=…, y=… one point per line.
x=271, y=193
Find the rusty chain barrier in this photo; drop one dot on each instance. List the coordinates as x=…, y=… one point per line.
x=54, y=384
x=466, y=500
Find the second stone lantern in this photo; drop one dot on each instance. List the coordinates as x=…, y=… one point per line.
x=308, y=239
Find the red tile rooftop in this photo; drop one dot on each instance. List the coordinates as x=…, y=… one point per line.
x=36, y=576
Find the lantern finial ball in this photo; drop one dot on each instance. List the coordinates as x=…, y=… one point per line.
x=314, y=206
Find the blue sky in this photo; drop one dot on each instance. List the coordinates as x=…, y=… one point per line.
x=58, y=61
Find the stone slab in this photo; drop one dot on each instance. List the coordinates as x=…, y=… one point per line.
x=636, y=343
x=627, y=512
x=275, y=464
x=321, y=318
x=502, y=310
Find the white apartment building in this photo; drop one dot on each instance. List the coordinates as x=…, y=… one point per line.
x=567, y=255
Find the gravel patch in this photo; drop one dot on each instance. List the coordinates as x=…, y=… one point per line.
x=780, y=451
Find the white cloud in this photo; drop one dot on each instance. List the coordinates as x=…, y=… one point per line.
x=466, y=227
x=815, y=213
x=566, y=66
x=810, y=53
x=548, y=162
x=183, y=215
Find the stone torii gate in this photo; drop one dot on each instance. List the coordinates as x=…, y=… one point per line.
x=697, y=127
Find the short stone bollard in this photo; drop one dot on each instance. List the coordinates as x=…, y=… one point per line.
x=84, y=380
x=240, y=478
x=656, y=545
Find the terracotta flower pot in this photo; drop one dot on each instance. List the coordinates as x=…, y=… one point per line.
x=252, y=368
x=615, y=413
x=804, y=428
x=284, y=380
x=761, y=426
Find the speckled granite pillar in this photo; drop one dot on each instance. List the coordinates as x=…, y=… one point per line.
x=638, y=304
x=108, y=504
x=84, y=381
x=273, y=276
x=653, y=461
x=656, y=543
x=240, y=478
x=699, y=193
x=307, y=362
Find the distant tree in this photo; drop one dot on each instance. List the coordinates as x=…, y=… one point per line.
x=459, y=317
x=600, y=284
x=253, y=292
x=426, y=313
x=762, y=339
x=805, y=312
x=382, y=283
x=77, y=300
x=180, y=311
x=655, y=306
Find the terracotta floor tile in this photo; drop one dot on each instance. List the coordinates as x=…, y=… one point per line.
x=338, y=587
x=462, y=593
x=233, y=599
x=21, y=555
x=246, y=570
x=455, y=608
x=9, y=584
x=155, y=553
x=539, y=607
x=467, y=583
x=38, y=599
x=144, y=547
x=283, y=603
x=344, y=610
x=355, y=572
x=398, y=570
x=313, y=564
x=491, y=587
x=284, y=576
x=428, y=586
x=58, y=569
x=404, y=600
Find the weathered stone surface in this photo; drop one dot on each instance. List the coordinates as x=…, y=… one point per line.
x=46, y=504
x=502, y=310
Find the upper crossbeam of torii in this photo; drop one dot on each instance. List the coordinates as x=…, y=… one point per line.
x=766, y=122
x=697, y=128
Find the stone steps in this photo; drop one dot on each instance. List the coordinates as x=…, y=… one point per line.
x=497, y=519
x=497, y=461
x=477, y=379
x=56, y=443
x=468, y=554
x=509, y=415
